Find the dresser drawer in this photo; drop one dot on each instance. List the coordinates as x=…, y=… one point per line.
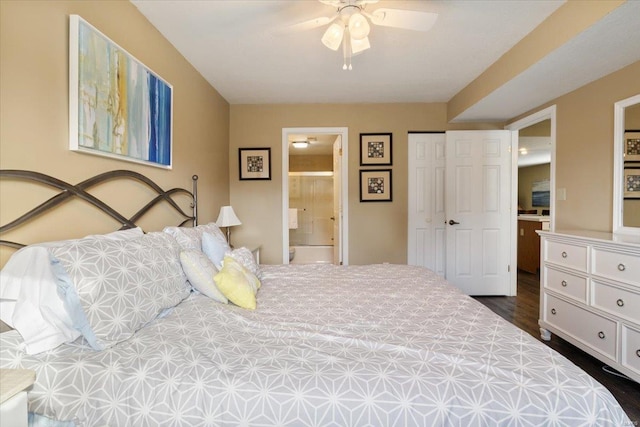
x=573, y=256
x=592, y=329
x=621, y=302
x=566, y=283
x=618, y=266
x=631, y=348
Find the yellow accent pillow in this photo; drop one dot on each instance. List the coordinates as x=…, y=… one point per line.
x=237, y=283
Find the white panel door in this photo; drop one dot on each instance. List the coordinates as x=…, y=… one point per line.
x=478, y=185
x=426, y=219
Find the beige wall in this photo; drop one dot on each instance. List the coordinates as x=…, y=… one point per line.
x=526, y=177
x=207, y=132
x=542, y=128
x=632, y=117
x=584, y=149
x=377, y=231
x=34, y=37
x=314, y=163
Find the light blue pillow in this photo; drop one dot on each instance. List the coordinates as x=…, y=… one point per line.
x=214, y=248
x=200, y=271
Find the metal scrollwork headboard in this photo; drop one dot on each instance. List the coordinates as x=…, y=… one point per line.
x=69, y=191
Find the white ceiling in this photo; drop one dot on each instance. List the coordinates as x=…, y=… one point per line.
x=240, y=48
x=534, y=150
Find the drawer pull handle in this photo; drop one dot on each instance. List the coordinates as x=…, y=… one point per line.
x=564, y=283
x=621, y=267
x=564, y=254
x=620, y=302
x=601, y=335
x=638, y=352
x=553, y=311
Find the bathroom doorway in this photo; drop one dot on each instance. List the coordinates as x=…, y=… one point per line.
x=314, y=196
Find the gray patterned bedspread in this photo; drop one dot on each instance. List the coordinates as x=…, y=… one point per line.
x=380, y=345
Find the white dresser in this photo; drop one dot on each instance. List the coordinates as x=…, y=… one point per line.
x=590, y=295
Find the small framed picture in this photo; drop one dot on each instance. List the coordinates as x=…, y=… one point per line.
x=375, y=149
x=255, y=163
x=375, y=185
x=632, y=146
x=632, y=183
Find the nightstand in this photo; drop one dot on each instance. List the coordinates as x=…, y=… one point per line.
x=13, y=396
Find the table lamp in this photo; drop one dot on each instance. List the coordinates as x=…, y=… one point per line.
x=227, y=218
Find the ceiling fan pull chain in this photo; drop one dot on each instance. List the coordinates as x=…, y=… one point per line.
x=344, y=54
x=346, y=50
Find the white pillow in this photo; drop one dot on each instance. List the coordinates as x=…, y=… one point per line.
x=200, y=271
x=113, y=288
x=215, y=248
x=248, y=261
x=191, y=237
x=29, y=299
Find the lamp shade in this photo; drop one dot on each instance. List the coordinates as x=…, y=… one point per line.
x=358, y=26
x=358, y=46
x=333, y=36
x=227, y=217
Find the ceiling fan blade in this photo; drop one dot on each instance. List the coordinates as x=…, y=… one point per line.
x=407, y=19
x=305, y=25
x=332, y=3
x=342, y=3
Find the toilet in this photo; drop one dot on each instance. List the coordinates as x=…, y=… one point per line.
x=292, y=253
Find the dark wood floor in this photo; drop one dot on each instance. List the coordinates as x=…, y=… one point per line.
x=522, y=311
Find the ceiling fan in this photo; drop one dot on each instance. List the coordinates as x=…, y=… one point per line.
x=350, y=25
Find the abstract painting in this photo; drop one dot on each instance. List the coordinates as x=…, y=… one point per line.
x=117, y=106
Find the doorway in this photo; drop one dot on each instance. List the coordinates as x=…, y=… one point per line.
x=530, y=123
x=314, y=189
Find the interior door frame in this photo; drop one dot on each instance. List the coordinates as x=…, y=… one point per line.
x=548, y=113
x=344, y=186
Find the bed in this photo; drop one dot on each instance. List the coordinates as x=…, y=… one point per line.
x=374, y=345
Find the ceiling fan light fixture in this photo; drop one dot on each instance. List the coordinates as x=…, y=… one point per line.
x=333, y=36
x=358, y=46
x=359, y=27
x=352, y=25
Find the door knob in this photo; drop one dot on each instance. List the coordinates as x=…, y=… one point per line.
x=452, y=222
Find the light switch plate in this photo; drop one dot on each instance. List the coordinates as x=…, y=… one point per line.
x=562, y=194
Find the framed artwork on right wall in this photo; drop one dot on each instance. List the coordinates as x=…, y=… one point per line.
x=375, y=185
x=632, y=146
x=376, y=149
x=632, y=183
